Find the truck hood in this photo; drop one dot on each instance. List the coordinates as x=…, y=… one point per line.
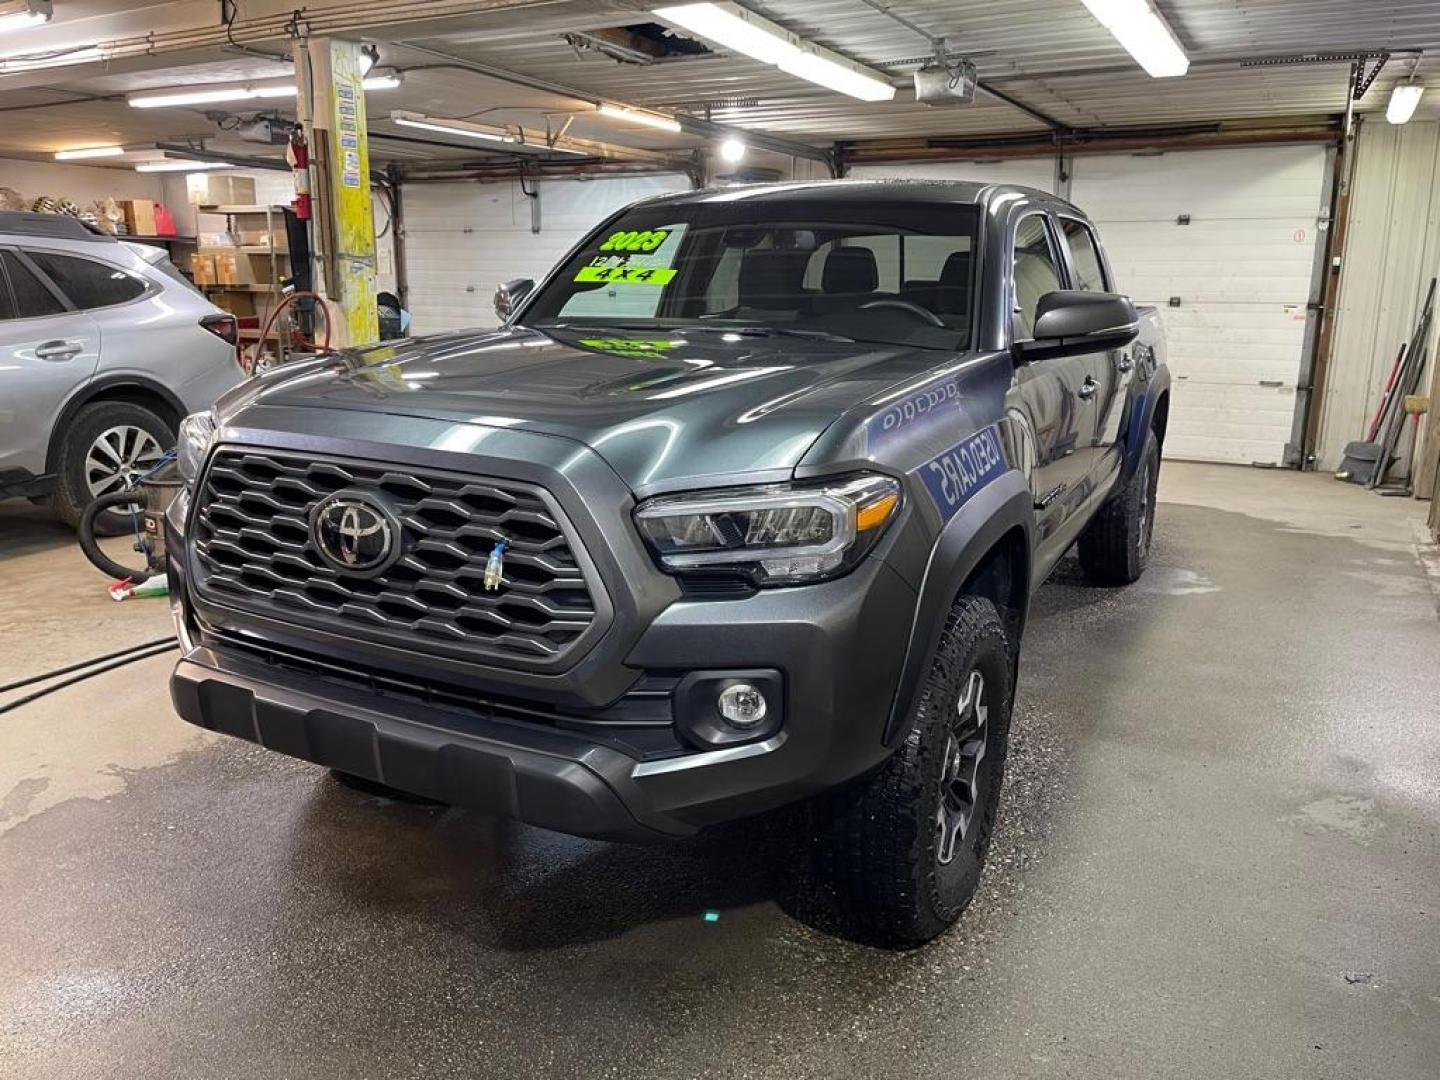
x=662, y=409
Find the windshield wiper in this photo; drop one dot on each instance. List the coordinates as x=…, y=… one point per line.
x=764, y=331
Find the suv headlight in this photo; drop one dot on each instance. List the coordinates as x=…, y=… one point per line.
x=780, y=534
x=197, y=432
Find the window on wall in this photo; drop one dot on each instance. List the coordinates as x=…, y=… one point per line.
x=1084, y=256
x=1036, y=271
x=32, y=299
x=87, y=283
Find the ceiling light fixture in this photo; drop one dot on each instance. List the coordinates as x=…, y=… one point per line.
x=741, y=30
x=181, y=166
x=1404, y=98
x=65, y=58
x=1146, y=36
x=641, y=117
x=732, y=150
x=89, y=152
x=453, y=127
x=31, y=13
x=248, y=92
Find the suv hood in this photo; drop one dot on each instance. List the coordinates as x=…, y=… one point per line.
x=662, y=409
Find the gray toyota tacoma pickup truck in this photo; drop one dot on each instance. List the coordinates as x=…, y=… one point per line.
x=741, y=508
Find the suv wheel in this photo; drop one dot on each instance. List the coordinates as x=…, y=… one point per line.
x=108, y=444
x=898, y=854
x=1115, y=546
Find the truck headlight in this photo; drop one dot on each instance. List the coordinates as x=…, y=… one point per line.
x=781, y=534
x=197, y=432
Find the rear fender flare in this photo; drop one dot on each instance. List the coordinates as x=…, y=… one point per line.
x=1142, y=416
x=963, y=543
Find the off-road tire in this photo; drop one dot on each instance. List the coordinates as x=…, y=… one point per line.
x=876, y=865
x=1115, y=547
x=72, y=493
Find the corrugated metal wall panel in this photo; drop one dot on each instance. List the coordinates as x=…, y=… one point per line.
x=1392, y=249
x=1241, y=270
x=463, y=239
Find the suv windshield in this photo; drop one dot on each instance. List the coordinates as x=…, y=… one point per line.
x=896, y=273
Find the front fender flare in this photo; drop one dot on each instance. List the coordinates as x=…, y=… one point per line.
x=968, y=537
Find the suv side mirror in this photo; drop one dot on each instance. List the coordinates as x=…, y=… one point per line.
x=1069, y=322
x=509, y=295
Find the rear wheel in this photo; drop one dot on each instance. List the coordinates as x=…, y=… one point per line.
x=898, y=854
x=108, y=446
x=1115, y=546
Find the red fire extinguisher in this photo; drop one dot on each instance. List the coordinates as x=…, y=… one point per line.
x=298, y=155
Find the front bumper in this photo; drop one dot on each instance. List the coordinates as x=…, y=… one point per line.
x=833, y=644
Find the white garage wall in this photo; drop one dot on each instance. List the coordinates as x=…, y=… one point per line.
x=1242, y=270
x=1031, y=172
x=82, y=183
x=1392, y=249
x=464, y=239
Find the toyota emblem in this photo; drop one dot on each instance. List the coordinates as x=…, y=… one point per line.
x=355, y=533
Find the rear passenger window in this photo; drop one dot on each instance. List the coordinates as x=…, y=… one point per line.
x=1036, y=272
x=87, y=283
x=32, y=298
x=1084, y=256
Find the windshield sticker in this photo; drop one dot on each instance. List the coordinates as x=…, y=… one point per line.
x=644, y=240
x=630, y=275
x=640, y=348
x=958, y=473
x=901, y=415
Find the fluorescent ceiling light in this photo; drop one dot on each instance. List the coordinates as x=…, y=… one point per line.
x=249, y=92
x=733, y=27
x=741, y=30
x=1403, y=100
x=453, y=127
x=637, y=116
x=181, y=166
x=1137, y=26
x=32, y=13
x=89, y=152
x=22, y=62
x=837, y=76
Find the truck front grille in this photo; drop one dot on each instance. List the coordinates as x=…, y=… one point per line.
x=254, y=551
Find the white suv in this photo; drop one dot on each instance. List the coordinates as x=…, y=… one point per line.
x=104, y=348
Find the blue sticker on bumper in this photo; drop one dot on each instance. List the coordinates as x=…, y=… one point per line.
x=958, y=473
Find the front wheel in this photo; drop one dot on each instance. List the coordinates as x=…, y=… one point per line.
x=1115, y=546
x=898, y=853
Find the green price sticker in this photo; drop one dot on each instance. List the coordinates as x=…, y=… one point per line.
x=632, y=275
x=643, y=240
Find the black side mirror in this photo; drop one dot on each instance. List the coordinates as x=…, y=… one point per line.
x=1068, y=322
x=509, y=295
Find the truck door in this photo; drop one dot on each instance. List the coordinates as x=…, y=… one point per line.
x=1109, y=370
x=1054, y=400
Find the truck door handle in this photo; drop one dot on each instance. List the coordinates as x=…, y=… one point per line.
x=1087, y=388
x=57, y=350
x=1123, y=363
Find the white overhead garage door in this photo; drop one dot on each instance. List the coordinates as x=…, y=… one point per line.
x=463, y=239
x=1031, y=172
x=1240, y=271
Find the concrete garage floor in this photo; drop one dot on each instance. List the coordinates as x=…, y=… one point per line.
x=1220, y=858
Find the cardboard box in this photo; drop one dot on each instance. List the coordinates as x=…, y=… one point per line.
x=202, y=269
x=139, y=216
x=235, y=268
x=219, y=189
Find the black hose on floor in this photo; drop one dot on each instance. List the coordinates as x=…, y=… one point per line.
x=84, y=664
x=127, y=656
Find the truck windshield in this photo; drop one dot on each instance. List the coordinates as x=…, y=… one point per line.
x=898, y=273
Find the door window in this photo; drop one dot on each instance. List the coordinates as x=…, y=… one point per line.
x=1084, y=256
x=32, y=299
x=1036, y=272
x=87, y=283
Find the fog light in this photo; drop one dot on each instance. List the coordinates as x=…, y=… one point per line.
x=742, y=705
